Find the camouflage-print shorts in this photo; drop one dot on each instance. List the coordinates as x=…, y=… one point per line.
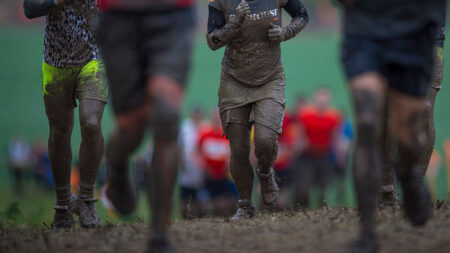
x=62, y=86
x=438, y=69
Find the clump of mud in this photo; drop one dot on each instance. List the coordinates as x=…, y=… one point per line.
x=324, y=230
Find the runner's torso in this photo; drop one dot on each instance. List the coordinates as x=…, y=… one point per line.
x=385, y=19
x=250, y=58
x=69, y=34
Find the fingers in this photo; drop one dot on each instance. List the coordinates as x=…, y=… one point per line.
x=275, y=33
x=243, y=7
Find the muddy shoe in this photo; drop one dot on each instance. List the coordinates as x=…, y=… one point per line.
x=63, y=218
x=416, y=198
x=120, y=191
x=159, y=244
x=87, y=212
x=269, y=186
x=245, y=211
x=366, y=243
x=388, y=199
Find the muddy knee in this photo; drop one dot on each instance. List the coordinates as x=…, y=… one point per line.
x=164, y=120
x=61, y=128
x=266, y=146
x=368, y=117
x=91, y=127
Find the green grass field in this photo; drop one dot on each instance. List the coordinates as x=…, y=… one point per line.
x=311, y=60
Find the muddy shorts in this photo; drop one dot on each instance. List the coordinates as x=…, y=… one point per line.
x=138, y=45
x=438, y=67
x=248, y=105
x=62, y=86
x=406, y=61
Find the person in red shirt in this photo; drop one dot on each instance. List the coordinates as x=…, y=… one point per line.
x=319, y=124
x=214, y=150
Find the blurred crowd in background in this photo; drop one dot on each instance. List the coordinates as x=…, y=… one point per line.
x=313, y=152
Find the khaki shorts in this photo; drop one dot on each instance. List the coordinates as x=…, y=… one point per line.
x=247, y=105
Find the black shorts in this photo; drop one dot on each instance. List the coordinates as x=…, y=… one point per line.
x=222, y=187
x=406, y=61
x=136, y=46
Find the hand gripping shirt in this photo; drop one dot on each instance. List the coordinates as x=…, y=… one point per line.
x=69, y=34
x=250, y=57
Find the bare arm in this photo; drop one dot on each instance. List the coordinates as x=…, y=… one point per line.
x=299, y=20
x=38, y=8
x=221, y=33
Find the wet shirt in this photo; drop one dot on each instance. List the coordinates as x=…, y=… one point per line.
x=250, y=58
x=69, y=34
x=144, y=5
x=319, y=128
x=385, y=19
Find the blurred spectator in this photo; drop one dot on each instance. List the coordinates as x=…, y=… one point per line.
x=18, y=155
x=75, y=177
x=319, y=126
x=40, y=163
x=214, y=150
x=191, y=176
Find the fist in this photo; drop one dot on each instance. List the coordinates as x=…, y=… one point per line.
x=276, y=33
x=242, y=10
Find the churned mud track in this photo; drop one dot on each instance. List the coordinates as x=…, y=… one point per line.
x=325, y=230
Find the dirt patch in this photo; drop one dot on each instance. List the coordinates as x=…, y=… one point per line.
x=324, y=230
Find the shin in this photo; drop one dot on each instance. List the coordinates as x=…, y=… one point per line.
x=92, y=144
x=60, y=154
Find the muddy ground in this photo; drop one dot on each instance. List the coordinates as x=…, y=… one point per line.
x=324, y=230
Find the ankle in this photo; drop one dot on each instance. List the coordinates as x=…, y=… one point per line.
x=245, y=203
x=86, y=191
x=63, y=195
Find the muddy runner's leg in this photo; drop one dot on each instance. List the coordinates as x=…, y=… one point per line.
x=166, y=99
x=123, y=141
x=266, y=147
x=428, y=128
x=368, y=92
x=92, y=144
x=60, y=153
x=266, y=150
x=388, y=190
x=235, y=124
x=407, y=127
